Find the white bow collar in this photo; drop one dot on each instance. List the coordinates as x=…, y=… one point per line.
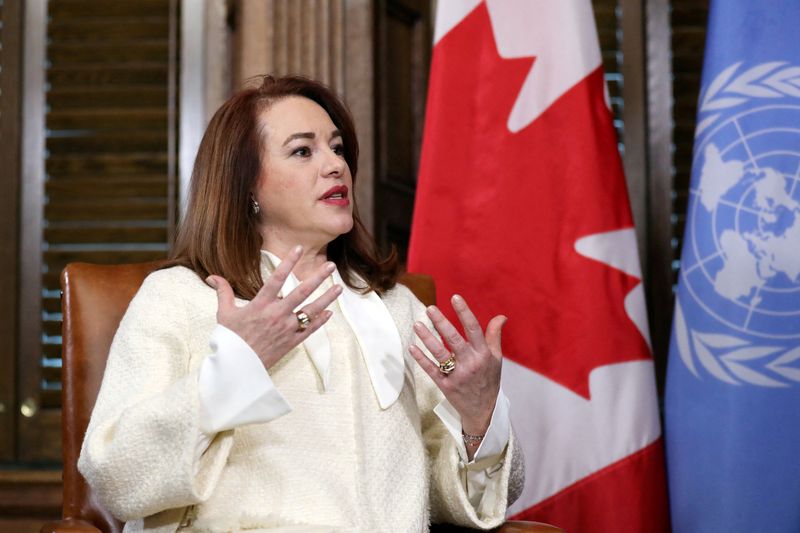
x=375, y=331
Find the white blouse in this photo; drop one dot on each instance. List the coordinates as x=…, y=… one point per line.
x=236, y=389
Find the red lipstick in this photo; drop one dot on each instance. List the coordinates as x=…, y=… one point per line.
x=336, y=195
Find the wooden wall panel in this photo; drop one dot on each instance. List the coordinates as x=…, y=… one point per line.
x=403, y=42
x=29, y=498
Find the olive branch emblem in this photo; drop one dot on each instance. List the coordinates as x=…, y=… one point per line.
x=734, y=360
x=732, y=88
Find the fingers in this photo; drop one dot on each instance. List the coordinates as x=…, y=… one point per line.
x=316, y=322
x=471, y=325
x=224, y=292
x=446, y=330
x=316, y=307
x=493, y=335
x=309, y=285
x=269, y=291
x=431, y=368
x=430, y=341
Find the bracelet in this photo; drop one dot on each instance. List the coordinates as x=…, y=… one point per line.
x=471, y=440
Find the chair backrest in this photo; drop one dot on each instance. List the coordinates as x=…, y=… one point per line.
x=94, y=299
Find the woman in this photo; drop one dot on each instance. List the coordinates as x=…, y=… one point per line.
x=309, y=407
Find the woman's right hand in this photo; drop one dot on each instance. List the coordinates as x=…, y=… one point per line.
x=268, y=323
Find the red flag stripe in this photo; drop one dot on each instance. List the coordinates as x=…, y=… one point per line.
x=612, y=499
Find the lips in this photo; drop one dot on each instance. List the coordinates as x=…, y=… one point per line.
x=337, y=195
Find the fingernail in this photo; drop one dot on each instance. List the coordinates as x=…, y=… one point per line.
x=211, y=281
x=432, y=309
x=337, y=289
x=418, y=325
x=330, y=266
x=298, y=250
x=457, y=298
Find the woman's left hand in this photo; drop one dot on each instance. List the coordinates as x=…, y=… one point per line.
x=473, y=385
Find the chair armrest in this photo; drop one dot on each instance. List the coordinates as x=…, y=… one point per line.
x=69, y=526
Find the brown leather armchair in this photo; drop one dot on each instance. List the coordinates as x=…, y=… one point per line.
x=94, y=298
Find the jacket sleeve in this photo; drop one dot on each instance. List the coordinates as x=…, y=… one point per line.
x=450, y=500
x=139, y=452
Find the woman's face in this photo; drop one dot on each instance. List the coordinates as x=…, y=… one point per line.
x=305, y=190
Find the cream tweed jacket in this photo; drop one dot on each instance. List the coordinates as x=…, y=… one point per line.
x=337, y=462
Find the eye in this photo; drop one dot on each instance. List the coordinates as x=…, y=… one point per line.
x=302, y=151
x=338, y=149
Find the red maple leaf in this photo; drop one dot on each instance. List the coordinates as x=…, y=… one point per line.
x=498, y=213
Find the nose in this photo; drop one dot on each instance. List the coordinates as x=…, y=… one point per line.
x=333, y=165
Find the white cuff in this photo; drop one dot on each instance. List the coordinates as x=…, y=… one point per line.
x=235, y=388
x=496, y=438
x=493, y=444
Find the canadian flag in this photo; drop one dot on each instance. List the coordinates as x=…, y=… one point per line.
x=522, y=208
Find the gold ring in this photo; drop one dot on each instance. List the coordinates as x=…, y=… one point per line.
x=303, y=320
x=448, y=365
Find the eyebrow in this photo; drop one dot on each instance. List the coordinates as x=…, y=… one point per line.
x=308, y=135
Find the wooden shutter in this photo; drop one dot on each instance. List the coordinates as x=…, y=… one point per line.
x=606, y=16
x=689, y=19
x=109, y=189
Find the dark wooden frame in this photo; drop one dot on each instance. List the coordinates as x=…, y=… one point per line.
x=172, y=125
x=393, y=199
x=36, y=427
x=9, y=221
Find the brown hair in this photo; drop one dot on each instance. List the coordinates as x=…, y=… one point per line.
x=219, y=233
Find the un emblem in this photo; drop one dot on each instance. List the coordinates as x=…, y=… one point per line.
x=738, y=309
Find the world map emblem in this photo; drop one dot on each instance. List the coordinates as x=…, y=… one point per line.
x=738, y=307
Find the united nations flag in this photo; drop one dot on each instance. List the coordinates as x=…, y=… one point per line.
x=733, y=380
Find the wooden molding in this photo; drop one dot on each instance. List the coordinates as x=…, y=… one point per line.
x=32, y=494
